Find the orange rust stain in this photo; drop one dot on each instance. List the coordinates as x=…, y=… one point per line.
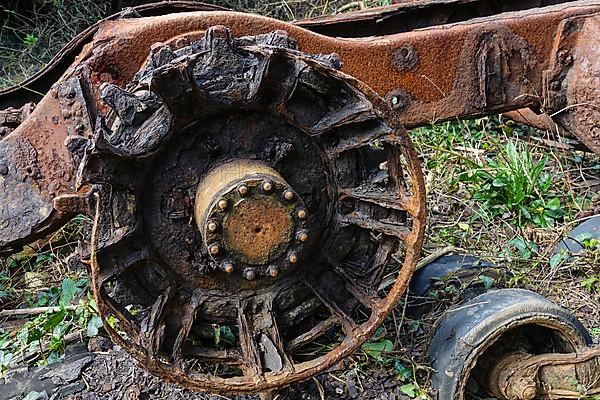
x=257, y=230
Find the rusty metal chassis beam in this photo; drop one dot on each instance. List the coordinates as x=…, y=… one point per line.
x=463, y=70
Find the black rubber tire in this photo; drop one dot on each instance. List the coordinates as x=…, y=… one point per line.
x=460, y=269
x=466, y=331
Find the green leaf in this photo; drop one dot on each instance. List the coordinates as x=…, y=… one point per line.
x=227, y=336
x=30, y=40
x=404, y=373
x=558, y=258
x=488, y=282
x=94, y=326
x=409, y=389
x=54, y=357
x=376, y=349
x=33, y=395
x=54, y=320
x=23, y=335
x=69, y=289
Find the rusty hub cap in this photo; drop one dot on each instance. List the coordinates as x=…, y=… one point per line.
x=249, y=211
x=242, y=211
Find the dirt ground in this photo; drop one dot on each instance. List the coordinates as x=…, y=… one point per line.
x=101, y=371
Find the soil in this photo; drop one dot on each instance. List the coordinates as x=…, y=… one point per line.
x=100, y=370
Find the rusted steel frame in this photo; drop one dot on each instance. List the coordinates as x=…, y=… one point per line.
x=408, y=15
x=434, y=74
x=36, y=86
x=547, y=376
x=462, y=70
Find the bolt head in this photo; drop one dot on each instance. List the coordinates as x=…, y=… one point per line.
x=301, y=213
x=303, y=237
x=222, y=204
x=250, y=274
x=273, y=271
x=212, y=226
x=288, y=195
x=243, y=190
x=267, y=186
x=293, y=258
x=214, y=249
x=228, y=267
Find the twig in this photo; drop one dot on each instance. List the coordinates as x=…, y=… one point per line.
x=67, y=339
x=389, y=281
x=425, y=261
x=353, y=4
x=34, y=311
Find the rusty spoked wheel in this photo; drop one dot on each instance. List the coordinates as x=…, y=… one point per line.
x=248, y=200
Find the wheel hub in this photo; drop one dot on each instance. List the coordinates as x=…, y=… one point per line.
x=224, y=164
x=252, y=222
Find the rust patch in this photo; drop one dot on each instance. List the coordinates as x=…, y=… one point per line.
x=258, y=230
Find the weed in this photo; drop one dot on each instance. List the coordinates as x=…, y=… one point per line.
x=514, y=185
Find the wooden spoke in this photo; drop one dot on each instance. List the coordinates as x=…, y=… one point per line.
x=356, y=136
x=271, y=338
x=251, y=355
x=384, y=199
x=152, y=326
x=365, y=221
x=364, y=295
x=348, y=325
x=186, y=322
x=120, y=312
x=313, y=334
x=115, y=263
x=262, y=345
x=178, y=321
x=205, y=354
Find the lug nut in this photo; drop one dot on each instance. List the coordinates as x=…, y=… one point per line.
x=228, y=267
x=288, y=195
x=303, y=236
x=301, y=213
x=249, y=274
x=214, y=249
x=222, y=204
x=293, y=258
x=212, y=226
x=267, y=186
x=243, y=190
x=273, y=271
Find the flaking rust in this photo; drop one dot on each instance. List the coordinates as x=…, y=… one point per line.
x=283, y=253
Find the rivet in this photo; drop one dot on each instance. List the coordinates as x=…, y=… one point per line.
x=243, y=190
x=214, y=249
x=293, y=258
x=303, y=236
x=228, y=267
x=267, y=186
x=222, y=204
x=273, y=271
x=212, y=226
x=288, y=195
x=301, y=213
x=249, y=274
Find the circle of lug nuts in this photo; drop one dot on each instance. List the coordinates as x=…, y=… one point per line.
x=226, y=202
